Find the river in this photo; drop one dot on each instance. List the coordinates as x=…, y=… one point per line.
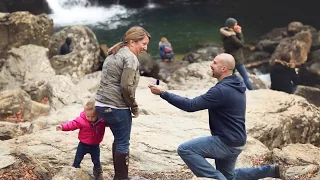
x=186, y=25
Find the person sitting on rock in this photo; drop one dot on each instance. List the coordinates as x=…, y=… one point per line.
x=284, y=76
x=90, y=135
x=65, y=48
x=165, y=49
x=233, y=43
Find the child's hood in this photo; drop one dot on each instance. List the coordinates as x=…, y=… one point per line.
x=83, y=115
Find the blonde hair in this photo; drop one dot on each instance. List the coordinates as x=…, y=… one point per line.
x=284, y=63
x=90, y=105
x=164, y=40
x=135, y=33
x=285, y=60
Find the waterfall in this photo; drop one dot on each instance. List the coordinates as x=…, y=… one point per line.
x=151, y=4
x=82, y=12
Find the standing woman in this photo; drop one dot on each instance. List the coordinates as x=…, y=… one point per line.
x=233, y=44
x=115, y=98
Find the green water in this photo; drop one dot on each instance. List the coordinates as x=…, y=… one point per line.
x=188, y=26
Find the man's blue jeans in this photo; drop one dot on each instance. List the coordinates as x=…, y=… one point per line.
x=194, y=152
x=83, y=149
x=120, y=122
x=244, y=74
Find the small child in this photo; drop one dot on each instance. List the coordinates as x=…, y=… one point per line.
x=90, y=135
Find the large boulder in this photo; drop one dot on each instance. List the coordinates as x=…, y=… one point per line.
x=65, y=92
x=71, y=173
x=301, y=161
x=271, y=40
x=258, y=56
x=148, y=67
x=276, y=119
x=15, y=106
x=22, y=28
x=311, y=94
x=310, y=71
x=298, y=46
x=193, y=76
x=296, y=27
x=297, y=154
x=28, y=67
x=5, y=158
x=268, y=45
x=168, y=68
x=203, y=54
x=315, y=41
x=198, y=76
x=85, y=54
x=11, y=130
x=33, y=6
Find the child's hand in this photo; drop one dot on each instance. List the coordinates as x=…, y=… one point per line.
x=58, y=128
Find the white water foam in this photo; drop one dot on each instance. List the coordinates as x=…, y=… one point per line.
x=152, y=5
x=81, y=12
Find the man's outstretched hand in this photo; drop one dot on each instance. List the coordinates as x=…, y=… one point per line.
x=155, y=89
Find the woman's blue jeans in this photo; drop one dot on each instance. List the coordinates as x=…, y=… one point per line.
x=194, y=152
x=244, y=74
x=120, y=122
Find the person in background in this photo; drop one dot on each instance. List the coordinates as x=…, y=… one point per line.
x=233, y=44
x=115, y=98
x=165, y=49
x=65, y=47
x=284, y=76
x=90, y=135
x=226, y=104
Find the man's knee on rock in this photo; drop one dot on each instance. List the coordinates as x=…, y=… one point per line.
x=182, y=149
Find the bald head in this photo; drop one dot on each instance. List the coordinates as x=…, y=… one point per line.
x=226, y=60
x=222, y=66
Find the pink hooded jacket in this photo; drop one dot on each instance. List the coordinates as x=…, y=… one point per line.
x=89, y=133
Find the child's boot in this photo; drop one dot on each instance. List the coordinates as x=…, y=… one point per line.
x=98, y=173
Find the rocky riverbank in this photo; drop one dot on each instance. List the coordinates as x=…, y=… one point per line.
x=40, y=89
